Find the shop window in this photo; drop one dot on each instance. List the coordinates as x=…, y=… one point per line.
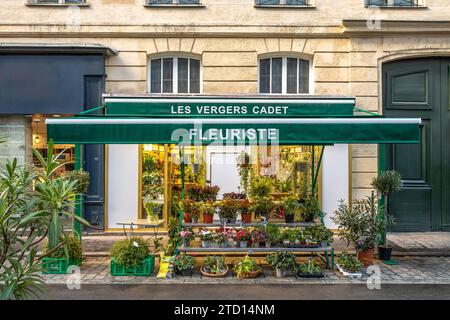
x=262, y=3
x=284, y=75
x=174, y=75
x=39, y=138
x=394, y=3
x=173, y=2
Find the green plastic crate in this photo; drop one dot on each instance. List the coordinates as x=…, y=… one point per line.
x=145, y=269
x=57, y=265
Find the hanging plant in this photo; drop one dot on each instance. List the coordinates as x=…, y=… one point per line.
x=245, y=171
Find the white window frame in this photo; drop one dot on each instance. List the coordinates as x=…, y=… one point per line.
x=175, y=58
x=284, y=58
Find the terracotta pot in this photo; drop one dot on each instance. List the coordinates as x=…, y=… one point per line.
x=246, y=217
x=207, y=218
x=366, y=257
x=187, y=218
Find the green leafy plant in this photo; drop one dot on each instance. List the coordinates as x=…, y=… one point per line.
x=235, y=195
x=263, y=206
x=71, y=250
x=214, y=264
x=130, y=252
x=261, y=187
x=246, y=265
x=191, y=207
x=183, y=262
x=82, y=178
x=319, y=233
x=273, y=232
x=152, y=210
x=312, y=209
x=284, y=186
x=291, y=205
x=350, y=262
x=309, y=268
x=208, y=208
x=245, y=171
x=283, y=260
x=359, y=222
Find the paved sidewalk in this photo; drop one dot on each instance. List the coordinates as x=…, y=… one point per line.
x=421, y=242
x=409, y=270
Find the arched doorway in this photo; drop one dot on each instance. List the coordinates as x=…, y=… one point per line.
x=420, y=88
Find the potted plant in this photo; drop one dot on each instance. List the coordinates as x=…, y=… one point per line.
x=187, y=206
x=272, y=234
x=228, y=210
x=207, y=209
x=281, y=262
x=387, y=182
x=263, y=207
x=245, y=171
x=309, y=270
x=184, y=264
x=311, y=209
x=152, y=212
x=291, y=207
x=221, y=239
x=245, y=210
x=131, y=257
x=57, y=261
x=243, y=236
x=258, y=237
x=206, y=237
x=360, y=225
x=282, y=188
x=349, y=265
x=235, y=195
x=214, y=266
x=187, y=235
x=320, y=234
x=261, y=188
x=247, y=268
x=210, y=193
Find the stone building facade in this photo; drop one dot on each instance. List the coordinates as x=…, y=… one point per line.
x=347, y=43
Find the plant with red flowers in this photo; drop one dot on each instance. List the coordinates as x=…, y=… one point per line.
x=243, y=235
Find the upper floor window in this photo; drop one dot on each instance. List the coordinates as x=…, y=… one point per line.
x=282, y=2
x=174, y=75
x=57, y=1
x=173, y=2
x=394, y=3
x=284, y=75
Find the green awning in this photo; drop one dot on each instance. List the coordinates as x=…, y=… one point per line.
x=285, y=131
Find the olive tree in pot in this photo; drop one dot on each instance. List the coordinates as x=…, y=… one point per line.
x=386, y=183
x=359, y=224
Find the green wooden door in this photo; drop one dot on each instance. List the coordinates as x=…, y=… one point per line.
x=420, y=88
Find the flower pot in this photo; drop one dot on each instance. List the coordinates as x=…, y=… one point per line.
x=187, y=218
x=324, y=244
x=268, y=244
x=205, y=244
x=384, y=253
x=194, y=219
x=223, y=245
x=280, y=273
x=186, y=243
x=231, y=220
x=243, y=244
x=366, y=257
x=286, y=243
x=223, y=220
x=207, y=218
x=246, y=217
x=186, y=272
x=289, y=218
x=255, y=244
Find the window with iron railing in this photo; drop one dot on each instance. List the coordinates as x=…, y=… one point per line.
x=262, y=3
x=394, y=3
x=173, y=2
x=57, y=1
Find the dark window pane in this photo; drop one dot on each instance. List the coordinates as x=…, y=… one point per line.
x=168, y=75
x=160, y=1
x=292, y=75
x=264, y=76
x=277, y=67
x=410, y=88
x=376, y=2
x=297, y=2
x=263, y=2
x=188, y=1
x=303, y=77
x=155, y=76
x=183, y=75
x=194, y=76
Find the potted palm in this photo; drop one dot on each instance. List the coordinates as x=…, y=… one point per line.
x=281, y=262
x=359, y=224
x=386, y=183
x=131, y=257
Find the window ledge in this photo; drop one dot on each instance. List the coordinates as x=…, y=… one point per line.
x=397, y=7
x=58, y=5
x=283, y=6
x=174, y=5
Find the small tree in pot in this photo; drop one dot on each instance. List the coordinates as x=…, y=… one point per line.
x=387, y=182
x=360, y=225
